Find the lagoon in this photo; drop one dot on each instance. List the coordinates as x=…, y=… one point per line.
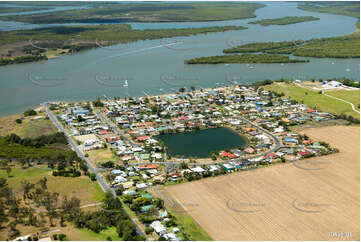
x=201, y=143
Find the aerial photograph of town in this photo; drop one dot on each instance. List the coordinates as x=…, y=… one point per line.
x=179, y=120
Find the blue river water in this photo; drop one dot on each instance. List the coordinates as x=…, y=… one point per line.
x=157, y=66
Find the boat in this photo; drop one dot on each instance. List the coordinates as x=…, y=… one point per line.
x=125, y=83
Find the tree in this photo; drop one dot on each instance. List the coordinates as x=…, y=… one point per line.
x=192, y=88
x=12, y=230
x=182, y=89
x=30, y=112
x=93, y=176
x=18, y=121
x=98, y=103
x=120, y=190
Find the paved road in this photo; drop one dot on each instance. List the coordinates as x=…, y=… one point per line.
x=114, y=127
x=100, y=179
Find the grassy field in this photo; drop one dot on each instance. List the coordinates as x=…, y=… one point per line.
x=102, y=155
x=312, y=99
x=284, y=202
x=350, y=96
x=76, y=234
x=28, y=128
x=146, y=13
x=284, y=20
x=81, y=187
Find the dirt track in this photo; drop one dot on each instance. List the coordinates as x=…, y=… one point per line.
x=303, y=201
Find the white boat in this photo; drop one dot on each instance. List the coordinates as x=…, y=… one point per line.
x=125, y=83
x=348, y=69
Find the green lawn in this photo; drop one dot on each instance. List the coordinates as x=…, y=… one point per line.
x=350, y=96
x=313, y=99
x=188, y=225
x=84, y=234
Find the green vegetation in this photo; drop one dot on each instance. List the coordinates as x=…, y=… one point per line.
x=313, y=99
x=30, y=112
x=34, y=43
x=245, y=58
x=347, y=46
x=264, y=47
x=194, y=231
x=18, y=10
x=81, y=187
x=25, y=127
x=37, y=207
x=145, y=13
x=350, y=96
x=28, y=151
x=22, y=59
x=349, y=8
x=122, y=33
x=284, y=20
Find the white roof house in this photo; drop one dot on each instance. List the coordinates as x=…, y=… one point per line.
x=158, y=227
x=197, y=169
x=120, y=179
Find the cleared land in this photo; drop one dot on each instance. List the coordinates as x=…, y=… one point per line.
x=28, y=128
x=350, y=96
x=284, y=202
x=313, y=99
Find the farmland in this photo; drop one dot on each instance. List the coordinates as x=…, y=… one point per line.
x=284, y=202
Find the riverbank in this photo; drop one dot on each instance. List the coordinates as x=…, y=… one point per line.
x=245, y=58
x=284, y=20
x=146, y=12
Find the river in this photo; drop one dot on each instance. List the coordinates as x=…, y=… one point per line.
x=154, y=66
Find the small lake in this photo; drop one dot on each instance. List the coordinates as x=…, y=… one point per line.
x=202, y=143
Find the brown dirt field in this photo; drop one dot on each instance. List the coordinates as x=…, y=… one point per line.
x=285, y=201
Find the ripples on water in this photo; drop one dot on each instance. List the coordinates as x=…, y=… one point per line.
x=146, y=63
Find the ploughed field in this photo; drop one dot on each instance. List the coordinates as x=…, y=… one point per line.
x=307, y=200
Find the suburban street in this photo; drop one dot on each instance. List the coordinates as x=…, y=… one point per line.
x=114, y=127
x=100, y=179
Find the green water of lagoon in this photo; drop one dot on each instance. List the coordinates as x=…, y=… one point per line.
x=201, y=143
